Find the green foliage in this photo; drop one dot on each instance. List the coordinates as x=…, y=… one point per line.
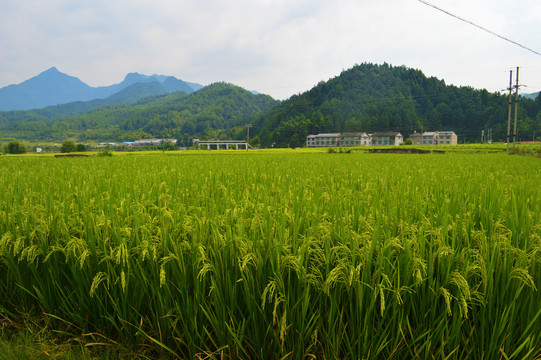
x=290, y=254
x=169, y=146
x=14, y=147
x=373, y=98
x=339, y=150
x=105, y=153
x=68, y=146
x=80, y=147
x=255, y=141
x=366, y=97
x=219, y=110
x=407, y=141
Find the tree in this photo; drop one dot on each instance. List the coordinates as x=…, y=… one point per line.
x=255, y=141
x=68, y=146
x=169, y=145
x=80, y=148
x=14, y=147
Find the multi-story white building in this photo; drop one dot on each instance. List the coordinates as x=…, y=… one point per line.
x=153, y=142
x=447, y=138
x=323, y=140
x=435, y=138
x=386, y=138
x=354, y=139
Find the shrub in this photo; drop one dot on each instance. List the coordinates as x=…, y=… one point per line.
x=14, y=147
x=339, y=150
x=408, y=141
x=68, y=146
x=105, y=152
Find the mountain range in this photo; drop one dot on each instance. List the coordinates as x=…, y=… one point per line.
x=367, y=97
x=53, y=87
x=532, y=95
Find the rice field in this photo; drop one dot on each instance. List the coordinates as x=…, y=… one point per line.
x=278, y=255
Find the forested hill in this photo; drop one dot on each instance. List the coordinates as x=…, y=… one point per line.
x=366, y=98
x=372, y=97
x=218, y=110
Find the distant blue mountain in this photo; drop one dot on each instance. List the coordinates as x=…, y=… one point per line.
x=52, y=87
x=531, y=96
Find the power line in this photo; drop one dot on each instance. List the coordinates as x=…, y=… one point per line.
x=479, y=27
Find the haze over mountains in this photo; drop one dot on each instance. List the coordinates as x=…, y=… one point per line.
x=53, y=87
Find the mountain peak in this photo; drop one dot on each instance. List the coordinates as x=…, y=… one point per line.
x=53, y=87
x=134, y=77
x=51, y=71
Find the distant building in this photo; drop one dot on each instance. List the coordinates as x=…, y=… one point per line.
x=447, y=138
x=430, y=138
x=153, y=142
x=323, y=140
x=221, y=144
x=354, y=139
x=435, y=138
x=387, y=138
x=383, y=138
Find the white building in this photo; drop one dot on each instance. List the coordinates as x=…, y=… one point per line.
x=354, y=139
x=387, y=138
x=153, y=142
x=323, y=140
x=435, y=138
x=447, y=138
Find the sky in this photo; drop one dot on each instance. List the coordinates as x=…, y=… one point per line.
x=276, y=47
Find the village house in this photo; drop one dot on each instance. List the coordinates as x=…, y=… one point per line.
x=354, y=139
x=387, y=138
x=323, y=140
x=434, y=138
x=447, y=138
x=153, y=142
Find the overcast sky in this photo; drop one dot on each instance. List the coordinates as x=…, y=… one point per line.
x=277, y=47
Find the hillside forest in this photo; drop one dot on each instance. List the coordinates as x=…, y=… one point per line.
x=367, y=97
x=372, y=98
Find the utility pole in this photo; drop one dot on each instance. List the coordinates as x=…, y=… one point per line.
x=510, y=103
x=482, y=136
x=248, y=126
x=489, y=136
x=516, y=113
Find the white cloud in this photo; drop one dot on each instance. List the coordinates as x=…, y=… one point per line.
x=278, y=47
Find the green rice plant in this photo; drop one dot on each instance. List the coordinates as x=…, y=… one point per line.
x=278, y=254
